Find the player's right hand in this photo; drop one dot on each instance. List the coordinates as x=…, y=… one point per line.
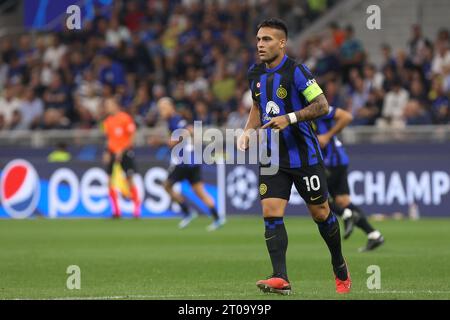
x=243, y=141
x=106, y=157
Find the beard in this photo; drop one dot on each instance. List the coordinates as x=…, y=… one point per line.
x=270, y=60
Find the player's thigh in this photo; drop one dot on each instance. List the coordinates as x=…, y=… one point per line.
x=275, y=191
x=175, y=174
x=194, y=174
x=311, y=184
x=199, y=189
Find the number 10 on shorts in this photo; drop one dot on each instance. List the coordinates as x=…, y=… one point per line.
x=312, y=182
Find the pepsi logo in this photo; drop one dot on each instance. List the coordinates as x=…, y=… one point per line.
x=19, y=189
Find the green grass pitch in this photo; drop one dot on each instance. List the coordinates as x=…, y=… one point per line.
x=152, y=259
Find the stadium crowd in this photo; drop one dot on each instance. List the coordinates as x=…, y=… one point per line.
x=199, y=54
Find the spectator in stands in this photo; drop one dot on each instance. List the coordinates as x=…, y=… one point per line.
x=367, y=114
x=427, y=55
x=327, y=65
x=17, y=73
x=441, y=60
x=88, y=100
x=9, y=107
x=57, y=104
x=389, y=75
x=416, y=44
x=440, y=103
x=372, y=78
x=358, y=97
x=141, y=105
x=394, y=104
x=388, y=59
x=351, y=53
x=332, y=93
x=54, y=51
x=201, y=113
x=337, y=33
x=415, y=113
x=31, y=109
x=418, y=91
x=237, y=119
x=116, y=34
x=111, y=72
x=133, y=16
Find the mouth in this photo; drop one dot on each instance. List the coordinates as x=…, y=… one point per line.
x=261, y=53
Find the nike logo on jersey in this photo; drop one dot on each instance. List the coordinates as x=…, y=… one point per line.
x=257, y=94
x=314, y=199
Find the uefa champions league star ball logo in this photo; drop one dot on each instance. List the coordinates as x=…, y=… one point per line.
x=242, y=187
x=19, y=187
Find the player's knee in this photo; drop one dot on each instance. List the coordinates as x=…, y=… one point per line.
x=342, y=201
x=320, y=212
x=272, y=211
x=320, y=216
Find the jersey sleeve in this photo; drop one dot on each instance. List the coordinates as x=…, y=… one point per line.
x=305, y=83
x=330, y=115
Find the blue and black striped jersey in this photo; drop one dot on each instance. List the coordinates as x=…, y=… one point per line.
x=334, y=153
x=286, y=88
x=187, y=153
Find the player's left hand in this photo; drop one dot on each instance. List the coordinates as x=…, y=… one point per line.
x=323, y=140
x=278, y=123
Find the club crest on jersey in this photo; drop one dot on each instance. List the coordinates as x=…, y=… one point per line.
x=281, y=92
x=272, y=108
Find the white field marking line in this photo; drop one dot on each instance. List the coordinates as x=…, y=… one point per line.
x=131, y=296
x=409, y=291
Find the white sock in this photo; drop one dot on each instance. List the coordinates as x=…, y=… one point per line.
x=374, y=235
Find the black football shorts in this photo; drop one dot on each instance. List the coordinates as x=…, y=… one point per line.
x=127, y=163
x=310, y=182
x=192, y=173
x=337, y=179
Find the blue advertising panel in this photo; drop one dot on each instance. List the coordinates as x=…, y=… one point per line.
x=79, y=189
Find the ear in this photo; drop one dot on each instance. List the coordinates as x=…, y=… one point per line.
x=282, y=43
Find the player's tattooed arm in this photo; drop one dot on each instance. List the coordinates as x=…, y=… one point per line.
x=317, y=108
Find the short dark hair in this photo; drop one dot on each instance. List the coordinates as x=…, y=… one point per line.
x=274, y=23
